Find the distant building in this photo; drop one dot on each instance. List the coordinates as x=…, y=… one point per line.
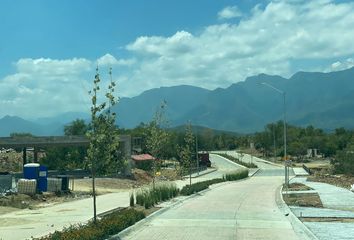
x=143, y=161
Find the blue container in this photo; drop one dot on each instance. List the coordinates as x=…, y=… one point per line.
x=42, y=179
x=31, y=171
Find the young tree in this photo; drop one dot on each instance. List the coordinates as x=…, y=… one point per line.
x=103, y=135
x=157, y=137
x=187, y=151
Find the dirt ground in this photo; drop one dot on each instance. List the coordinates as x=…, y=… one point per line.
x=303, y=200
x=298, y=187
x=318, y=219
x=341, y=180
x=80, y=188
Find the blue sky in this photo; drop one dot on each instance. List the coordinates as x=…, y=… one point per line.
x=49, y=49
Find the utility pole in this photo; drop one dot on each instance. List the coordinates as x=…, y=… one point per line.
x=196, y=150
x=285, y=154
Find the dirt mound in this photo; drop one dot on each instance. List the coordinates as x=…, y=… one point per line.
x=141, y=176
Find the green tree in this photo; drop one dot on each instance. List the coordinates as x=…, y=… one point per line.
x=77, y=127
x=187, y=151
x=157, y=138
x=103, y=135
x=20, y=135
x=68, y=158
x=344, y=160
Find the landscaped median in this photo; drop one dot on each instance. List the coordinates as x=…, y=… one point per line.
x=199, y=186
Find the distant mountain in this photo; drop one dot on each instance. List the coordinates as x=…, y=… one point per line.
x=11, y=124
x=51, y=126
x=324, y=100
x=180, y=100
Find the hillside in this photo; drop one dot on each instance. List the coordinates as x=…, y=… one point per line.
x=325, y=100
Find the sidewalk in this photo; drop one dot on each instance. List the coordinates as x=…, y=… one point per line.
x=335, y=201
x=331, y=196
x=299, y=171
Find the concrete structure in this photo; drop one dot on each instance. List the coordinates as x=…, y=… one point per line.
x=55, y=141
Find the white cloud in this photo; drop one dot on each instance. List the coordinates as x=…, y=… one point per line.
x=109, y=60
x=341, y=65
x=269, y=40
x=229, y=12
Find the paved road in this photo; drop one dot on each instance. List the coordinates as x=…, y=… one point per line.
x=239, y=210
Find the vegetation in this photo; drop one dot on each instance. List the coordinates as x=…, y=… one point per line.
x=68, y=158
x=236, y=160
x=151, y=196
x=156, y=140
x=337, y=145
x=103, y=135
x=187, y=151
x=107, y=226
x=200, y=186
x=237, y=175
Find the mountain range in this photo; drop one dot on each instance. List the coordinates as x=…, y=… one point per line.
x=324, y=100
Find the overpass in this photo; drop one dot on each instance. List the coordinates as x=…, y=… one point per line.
x=54, y=141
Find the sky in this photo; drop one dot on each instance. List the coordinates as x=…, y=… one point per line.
x=49, y=50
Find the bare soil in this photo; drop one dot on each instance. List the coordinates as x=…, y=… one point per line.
x=21, y=201
x=303, y=200
x=341, y=180
x=324, y=219
x=298, y=187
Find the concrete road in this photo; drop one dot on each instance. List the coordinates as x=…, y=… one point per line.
x=245, y=209
x=238, y=210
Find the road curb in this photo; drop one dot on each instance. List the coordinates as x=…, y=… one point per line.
x=239, y=165
x=299, y=227
x=139, y=224
x=202, y=174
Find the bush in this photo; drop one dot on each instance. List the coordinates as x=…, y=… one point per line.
x=236, y=160
x=107, y=226
x=236, y=175
x=131, y=200
x=151, y=196
x=199, y=186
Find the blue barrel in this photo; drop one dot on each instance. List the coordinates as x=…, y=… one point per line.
x=42, y=179
x=31, y=171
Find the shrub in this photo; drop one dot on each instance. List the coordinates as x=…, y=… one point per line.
x=131, y=200
x=107, y=226
x=151, y=196
x=240, y=174
x=199, y=186
x=236, y=160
